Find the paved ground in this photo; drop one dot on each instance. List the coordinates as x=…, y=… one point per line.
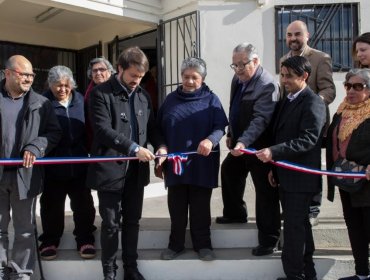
x=155, y=202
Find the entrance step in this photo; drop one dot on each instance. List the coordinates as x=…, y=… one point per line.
x=230, y=264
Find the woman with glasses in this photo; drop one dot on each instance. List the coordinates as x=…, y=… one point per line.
x=67, y=179
x=349, y=137
x=99, y=71
x=361, y=50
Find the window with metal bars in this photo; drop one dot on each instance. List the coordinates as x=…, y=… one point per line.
x=332, y=28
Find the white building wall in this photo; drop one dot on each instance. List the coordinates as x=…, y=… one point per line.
x=224, y=24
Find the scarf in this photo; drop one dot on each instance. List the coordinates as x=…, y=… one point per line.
x=352, y=116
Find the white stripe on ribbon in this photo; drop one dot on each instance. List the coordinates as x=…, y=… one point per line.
x=300, y=168
x=76, y=160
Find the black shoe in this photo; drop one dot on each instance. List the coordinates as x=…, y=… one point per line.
x=226, y=220
x=261, y=250
x=133, y=274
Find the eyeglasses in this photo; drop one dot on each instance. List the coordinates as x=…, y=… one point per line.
x=24, y=75
x=240, y=66
x=101, y=70
x=355, y=86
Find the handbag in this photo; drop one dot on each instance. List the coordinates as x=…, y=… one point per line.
x=350, y=185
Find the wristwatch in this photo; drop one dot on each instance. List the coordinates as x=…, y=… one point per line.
x=137, y=149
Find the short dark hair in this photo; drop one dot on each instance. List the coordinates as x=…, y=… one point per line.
x=133, y=56
x=298, y=64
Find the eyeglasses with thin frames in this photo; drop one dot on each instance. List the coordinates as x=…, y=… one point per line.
x=240, y=67
x=355, y=86
x=24, y=75
x=101, y=70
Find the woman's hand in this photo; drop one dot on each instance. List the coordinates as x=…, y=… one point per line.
x=158, y=168
x=205, y=147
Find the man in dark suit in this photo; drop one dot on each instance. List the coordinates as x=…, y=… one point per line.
x=252, y=103
x=320, y=81
x=297, y=133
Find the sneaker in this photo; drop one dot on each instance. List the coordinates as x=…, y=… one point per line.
x=206, y=254
x=314, y=219
x=87, y=251
x=48, y=253
x=169, y=254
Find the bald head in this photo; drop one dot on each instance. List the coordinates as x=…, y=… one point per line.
x=18, y=61
x=296, y=36
x=19, y=75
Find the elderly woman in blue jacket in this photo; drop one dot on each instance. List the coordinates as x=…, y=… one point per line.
x=67, y=179
x=191, y=119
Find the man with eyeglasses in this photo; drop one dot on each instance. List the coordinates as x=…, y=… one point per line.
x=29, y=130
x=252, y=103
x=320, y=81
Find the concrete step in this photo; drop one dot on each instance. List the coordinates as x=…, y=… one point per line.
x=230, y=264
x=154, y=234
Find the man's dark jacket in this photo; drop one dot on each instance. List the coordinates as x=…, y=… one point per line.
x=110, y=117
x=256, y=109
x=297, y=135
x=40, y=132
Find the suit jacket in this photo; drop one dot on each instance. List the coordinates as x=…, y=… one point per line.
x=321, y=78
x=256, y=109
x=297, y=134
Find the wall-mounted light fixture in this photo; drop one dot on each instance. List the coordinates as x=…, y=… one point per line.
x=261, y=2
x=48, y=14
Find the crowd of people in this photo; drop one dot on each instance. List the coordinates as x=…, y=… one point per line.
x=287, y=120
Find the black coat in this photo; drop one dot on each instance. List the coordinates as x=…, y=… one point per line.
x=297, y=134
x=110, y=119
x=358, y=150
x=73, y=142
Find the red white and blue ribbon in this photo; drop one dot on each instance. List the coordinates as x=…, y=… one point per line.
x=177, y=160
x=300, y=168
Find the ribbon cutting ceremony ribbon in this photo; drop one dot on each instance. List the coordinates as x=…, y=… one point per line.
x=177, y=160
x=300, y=168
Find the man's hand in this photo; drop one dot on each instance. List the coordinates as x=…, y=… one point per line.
x=264, y=155
x=271, y=179
x=144, y=155
x=28, y=159
x=368, y=172
x=205, y=147
x=236, y=151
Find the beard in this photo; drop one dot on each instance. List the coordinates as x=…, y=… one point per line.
x=295, y=45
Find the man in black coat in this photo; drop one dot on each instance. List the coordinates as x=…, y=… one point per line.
x=297, y=133
x=123, y=123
